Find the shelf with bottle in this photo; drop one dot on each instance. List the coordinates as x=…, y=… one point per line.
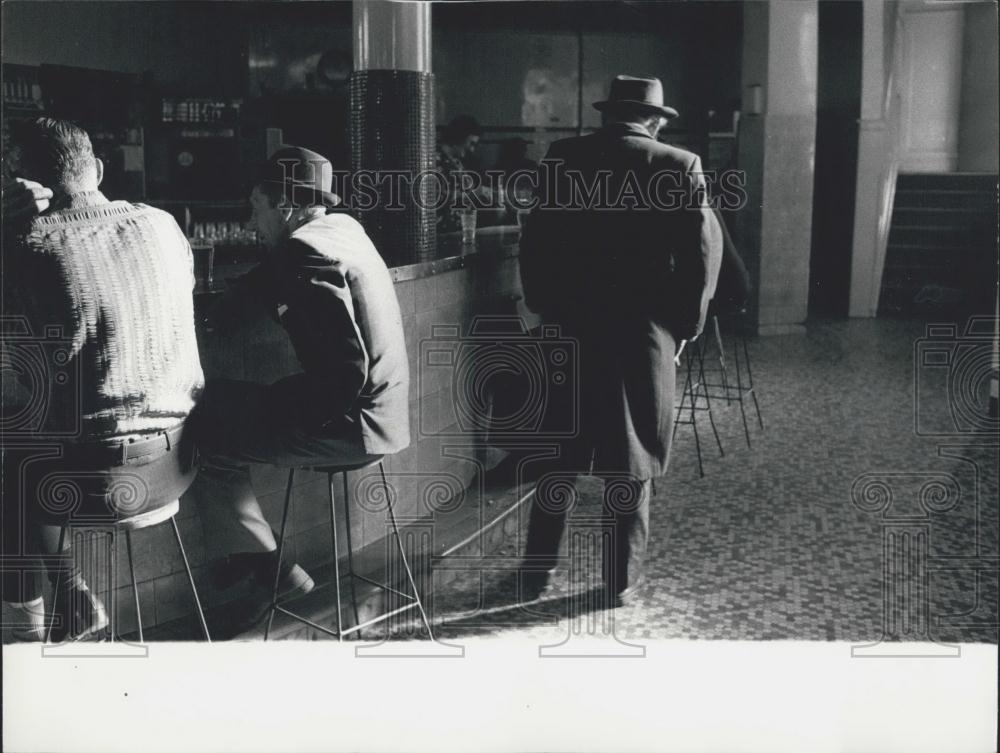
x=189, y=110
x=22, y=92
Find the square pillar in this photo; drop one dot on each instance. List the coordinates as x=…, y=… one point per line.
x=777, y=153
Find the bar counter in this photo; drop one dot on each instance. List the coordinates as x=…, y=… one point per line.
x=491, y=244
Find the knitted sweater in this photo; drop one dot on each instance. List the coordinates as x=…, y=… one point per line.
x=97, y=296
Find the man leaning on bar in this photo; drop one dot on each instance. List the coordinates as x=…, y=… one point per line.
x=325, y=283
x=117, y=278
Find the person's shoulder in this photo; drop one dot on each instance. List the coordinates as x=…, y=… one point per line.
x=331, y=236
x=674, y=155
x=160, y=215
x=24, y=237
x=162, y=221
x=570, y=145
x=570, y=150
x=335, y=225
x=339, y=241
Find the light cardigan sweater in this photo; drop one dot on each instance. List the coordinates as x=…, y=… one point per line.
x=97, y=294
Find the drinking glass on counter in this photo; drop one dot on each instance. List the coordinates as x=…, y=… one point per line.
x=522, y=217
x=204, y=264
x=468, y=217
x=520, y=205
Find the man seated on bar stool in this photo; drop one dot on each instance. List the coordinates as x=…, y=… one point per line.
x=329, y=288
x=99, y=333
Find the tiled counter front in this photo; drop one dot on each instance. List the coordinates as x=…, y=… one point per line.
x=451, y=293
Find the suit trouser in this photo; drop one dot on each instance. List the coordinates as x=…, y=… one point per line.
x=626, y=498
x=236, y=426
x=625, y=512
x=46, y=488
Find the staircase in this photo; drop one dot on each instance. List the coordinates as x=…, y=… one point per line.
x=942, y=253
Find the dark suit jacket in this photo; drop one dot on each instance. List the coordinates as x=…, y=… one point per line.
x=628, y=275
x=331, y=291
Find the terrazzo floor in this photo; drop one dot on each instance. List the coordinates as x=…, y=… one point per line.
x=840, y=523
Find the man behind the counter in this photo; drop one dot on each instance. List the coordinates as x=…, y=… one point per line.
x=327, y=286
x=458, y=143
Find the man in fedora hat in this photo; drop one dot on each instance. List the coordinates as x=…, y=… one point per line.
x=326, y=285
x=627, y=271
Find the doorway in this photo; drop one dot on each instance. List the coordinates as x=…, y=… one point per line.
x=838, y=107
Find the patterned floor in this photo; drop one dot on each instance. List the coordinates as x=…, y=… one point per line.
x=840, y=523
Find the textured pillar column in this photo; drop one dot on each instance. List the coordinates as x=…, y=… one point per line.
x=776, y=151
x=392, y=125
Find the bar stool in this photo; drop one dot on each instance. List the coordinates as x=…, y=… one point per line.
x=735, y=392
x=413, y=598
x=695, y=398
x=147, y=519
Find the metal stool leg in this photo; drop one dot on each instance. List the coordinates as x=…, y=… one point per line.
x=350, y=549
x=402, y=552
x=281, y=551
x=722, y=359
x=135, y=585
x=55, y=589
x=190, y=575
x=680, y=409
x=753, y=392
x=684, y=394
x=739, y=391
x=708, y=398
x=111, y=595
x=694, y=422
x=336, y=557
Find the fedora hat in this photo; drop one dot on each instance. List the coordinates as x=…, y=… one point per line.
x=306, y=175
x=644, y=94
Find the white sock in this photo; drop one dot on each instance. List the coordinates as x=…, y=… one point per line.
x=30, y=623
x=35, y=605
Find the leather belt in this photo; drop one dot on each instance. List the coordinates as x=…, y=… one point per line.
x=118, y=453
